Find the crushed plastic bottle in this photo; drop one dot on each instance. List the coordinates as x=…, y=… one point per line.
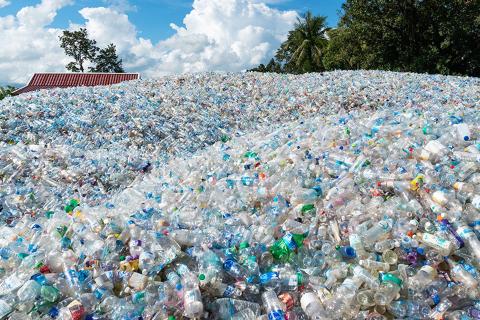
x=357, y=197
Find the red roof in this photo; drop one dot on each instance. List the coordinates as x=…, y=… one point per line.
x=65, y=80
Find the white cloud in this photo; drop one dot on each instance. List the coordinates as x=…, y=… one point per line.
x=31, y=46
x=227, y=35
x=4, y=3
x=120, y=5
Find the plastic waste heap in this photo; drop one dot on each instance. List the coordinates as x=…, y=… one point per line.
x=346, y=195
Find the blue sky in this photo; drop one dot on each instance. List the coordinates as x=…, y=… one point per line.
x=152, y=17
x=153, y=37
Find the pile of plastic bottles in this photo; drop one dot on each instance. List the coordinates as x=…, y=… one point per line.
x=88, y=143
x=350, y=213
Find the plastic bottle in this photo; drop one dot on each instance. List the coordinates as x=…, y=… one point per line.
x=273, y=306
x=312, y=306
x=438, y=312
x=227, y=307
x=245, y=314
x=283, y=248
x=381, y=229
x=388, y=290
x=443, y=246
x=471, y=241
x=29, y=291
x=366, y=277
x=461, y=275
x=463, y=132
x=423, y=277
x=192, y=297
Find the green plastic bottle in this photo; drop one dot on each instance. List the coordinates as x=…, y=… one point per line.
x=49, y=293
x=285, y=247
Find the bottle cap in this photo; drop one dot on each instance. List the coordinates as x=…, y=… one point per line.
x=388, y=277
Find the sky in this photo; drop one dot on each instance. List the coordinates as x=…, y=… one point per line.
x=153, y=37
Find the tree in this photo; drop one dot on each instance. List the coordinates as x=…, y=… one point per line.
x=272, y=66
x=107, y=60
x=78, y=46
x=434, y=36
x=304, y=48
x=6, y=91
x=338, y=54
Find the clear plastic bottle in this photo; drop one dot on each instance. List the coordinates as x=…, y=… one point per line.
x=312, y=306
x=379, y=230
x=374, y=265
x=192, y=297
x=371, y=281
x=423, y=277
x=440, y=309
x=224, y=308
x=461, y=275
x=385, y=245
x=443, y=246
x=245, y=314
x=273, y=306
x=29, y=291
x=471, y=241
x=388, y=290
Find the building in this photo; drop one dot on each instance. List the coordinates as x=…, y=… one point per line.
x=65, y=80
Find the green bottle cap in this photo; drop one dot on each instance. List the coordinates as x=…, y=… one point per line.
x=201, y=277
x=391, y=278
x=243, y=245
x=308, y=208
x=171, y=318
x=250, y=154
x=299, y=278
x=225, y=138
x=22, y=255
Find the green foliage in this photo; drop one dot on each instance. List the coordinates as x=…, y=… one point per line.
x=433, y=36
x=107, y=60
x=304, y=48
x=82, y=49
x=78, y=46
x=272, y=66
x=425, y=36
x=6, y=91
x=338, y=54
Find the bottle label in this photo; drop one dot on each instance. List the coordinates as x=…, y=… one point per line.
x=229, y=291
x=276, y=315
x=288, y=239
x=436, y=241
x=266, y=277
x=465, y=232
x=292, y=281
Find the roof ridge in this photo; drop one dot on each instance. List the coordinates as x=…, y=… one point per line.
x=75, y=79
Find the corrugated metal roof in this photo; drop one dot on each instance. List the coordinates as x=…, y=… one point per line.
x=64, y=80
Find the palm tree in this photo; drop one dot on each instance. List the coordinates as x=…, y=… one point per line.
x=304, y=48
